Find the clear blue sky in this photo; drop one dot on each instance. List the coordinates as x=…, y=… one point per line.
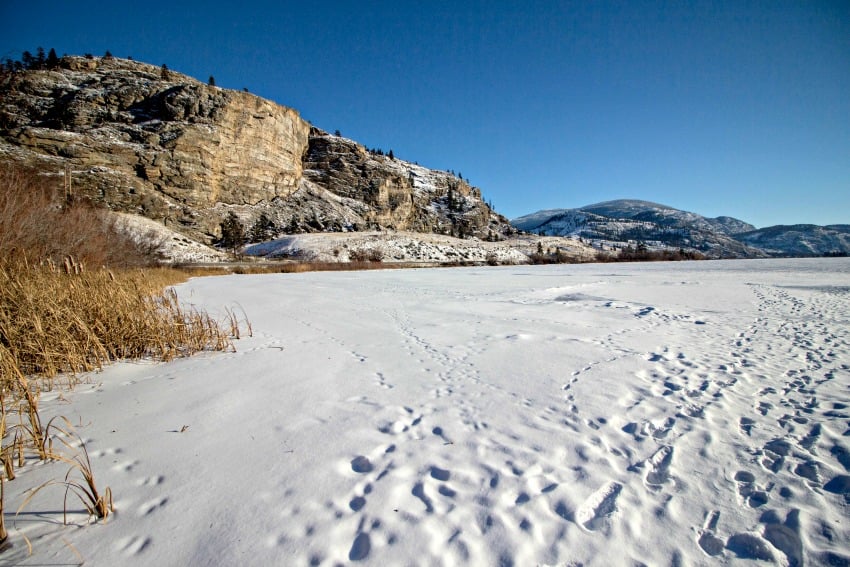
x=723, y=108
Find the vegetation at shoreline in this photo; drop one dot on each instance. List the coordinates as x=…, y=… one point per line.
x=77, y=291
x=641, y=253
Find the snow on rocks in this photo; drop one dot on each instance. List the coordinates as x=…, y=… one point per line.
x=404, y=247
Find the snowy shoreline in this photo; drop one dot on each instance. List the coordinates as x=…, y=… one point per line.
x=597, y=414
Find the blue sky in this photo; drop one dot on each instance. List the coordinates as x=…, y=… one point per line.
x=723, y=108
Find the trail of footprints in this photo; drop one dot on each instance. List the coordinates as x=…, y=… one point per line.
x=695, y=390
x=135, y=544
x=793, y=333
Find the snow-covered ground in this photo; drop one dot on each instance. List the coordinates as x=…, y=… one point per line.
x=402, y=246
x=658, y=414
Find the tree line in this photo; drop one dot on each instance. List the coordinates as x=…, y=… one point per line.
x=30, y=62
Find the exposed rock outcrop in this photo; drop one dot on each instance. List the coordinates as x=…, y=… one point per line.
x=399, y=195
x=146, y=140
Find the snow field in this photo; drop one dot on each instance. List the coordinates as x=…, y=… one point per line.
x=677, y=413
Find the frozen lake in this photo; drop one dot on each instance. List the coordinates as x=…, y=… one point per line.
x=615, y=414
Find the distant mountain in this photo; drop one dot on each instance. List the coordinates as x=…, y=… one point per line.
x=666, y=216
x=800, y=239
x=730, y=225
x=630, y=220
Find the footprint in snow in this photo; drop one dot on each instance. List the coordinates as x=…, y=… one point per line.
x=708, y=542
x=595, y=511
x=658, y=467
x=361, y=464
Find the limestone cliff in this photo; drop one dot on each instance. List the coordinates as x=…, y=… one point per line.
x=150, y=141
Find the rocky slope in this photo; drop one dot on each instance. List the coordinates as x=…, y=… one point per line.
x=630, y=221
x=142, y=139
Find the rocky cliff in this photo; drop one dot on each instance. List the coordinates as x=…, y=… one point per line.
x=147, y=140
x=398, y=194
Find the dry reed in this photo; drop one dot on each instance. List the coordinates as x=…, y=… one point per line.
x=63, y=313
x=54, y=322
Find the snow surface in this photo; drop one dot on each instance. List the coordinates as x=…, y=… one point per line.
x=171, y=245
x=657, y=414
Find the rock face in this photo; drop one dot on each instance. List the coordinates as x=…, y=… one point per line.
x=146, y=140
x=399, y=195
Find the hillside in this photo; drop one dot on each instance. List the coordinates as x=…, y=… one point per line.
x=149, y=141
x=800, y=240
x=614, y=223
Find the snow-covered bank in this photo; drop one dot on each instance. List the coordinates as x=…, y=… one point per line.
x=598, y=414
x=400, y=246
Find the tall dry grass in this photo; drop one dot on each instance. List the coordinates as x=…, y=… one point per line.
x=55, y=321
x=63, y=313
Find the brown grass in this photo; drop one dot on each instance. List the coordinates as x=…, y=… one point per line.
x=73, y=298
x=54, y=322
x=60, y=322
x=39, y=222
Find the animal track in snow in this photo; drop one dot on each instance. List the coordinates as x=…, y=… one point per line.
x=150, y=507
x=152, y=481
x=134, y=545
x=361, y=465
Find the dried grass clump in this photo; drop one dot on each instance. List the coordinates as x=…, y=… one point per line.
x=98, y=504
x=68, y=320
x=64, y=320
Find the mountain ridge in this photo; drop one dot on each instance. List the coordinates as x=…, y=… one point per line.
x=626, y=221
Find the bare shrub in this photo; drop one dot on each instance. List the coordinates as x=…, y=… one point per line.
x=38, y=222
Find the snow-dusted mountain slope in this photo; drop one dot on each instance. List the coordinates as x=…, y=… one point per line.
x=800, y=239
x=629, y=220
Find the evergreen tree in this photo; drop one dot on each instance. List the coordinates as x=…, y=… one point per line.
x=52, y=59
x=164, y=73
x=211, y=81
x=390, y=155
x=40, y=58
x=232, y=232
x=262, y=229
x=27, y=60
